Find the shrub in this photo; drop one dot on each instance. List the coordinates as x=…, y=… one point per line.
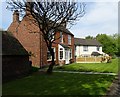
x=35, y=69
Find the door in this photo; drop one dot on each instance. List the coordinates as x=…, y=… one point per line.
x=67, y=56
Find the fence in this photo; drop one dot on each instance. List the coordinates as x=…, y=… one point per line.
x=89, y=59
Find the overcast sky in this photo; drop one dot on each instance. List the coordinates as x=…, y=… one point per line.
x=100, y=17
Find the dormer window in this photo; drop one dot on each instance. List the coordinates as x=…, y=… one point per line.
x=69, y=39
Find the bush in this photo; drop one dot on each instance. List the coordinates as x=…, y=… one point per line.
x=114, y=56
x=35, y=69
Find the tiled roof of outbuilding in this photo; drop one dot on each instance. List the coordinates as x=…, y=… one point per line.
x=11, y=46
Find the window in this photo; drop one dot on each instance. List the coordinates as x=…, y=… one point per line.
x=69, y=39
x=98, y=48
x=61, y=37
x=85, y=48
x=49, y=57
x=51, y=35
x=61, y=53
x=70, y=53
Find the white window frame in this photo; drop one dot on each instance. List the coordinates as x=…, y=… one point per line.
x=69, y=39
x=61, y=50
x=51, y=56
x=71, y=53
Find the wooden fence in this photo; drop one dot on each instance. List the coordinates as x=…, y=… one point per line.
x=88, y=59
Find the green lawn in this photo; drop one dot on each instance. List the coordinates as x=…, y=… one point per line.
x=59, y=84
x=94, y=67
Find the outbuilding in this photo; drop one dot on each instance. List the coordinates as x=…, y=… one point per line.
x=15, y=59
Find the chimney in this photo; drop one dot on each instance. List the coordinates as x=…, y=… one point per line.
x=16, y=16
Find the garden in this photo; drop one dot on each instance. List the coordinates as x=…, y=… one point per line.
x=60, y=83
x=91, y=67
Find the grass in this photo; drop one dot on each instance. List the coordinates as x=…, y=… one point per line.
x=92, y=67
x=59, y=84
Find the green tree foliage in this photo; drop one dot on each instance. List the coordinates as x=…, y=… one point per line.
x=116, y=38
x=118, y=45
x=89, y=37
x=110, y=43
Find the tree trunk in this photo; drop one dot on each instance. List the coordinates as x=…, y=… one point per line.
x=50, y=69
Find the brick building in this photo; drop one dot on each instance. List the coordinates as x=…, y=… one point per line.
x=29, y=36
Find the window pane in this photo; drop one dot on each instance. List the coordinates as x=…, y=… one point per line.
x=71, y=53
x=61, y=54
x=69, y=39
x=85, y=48
x=61, y=48
x=98, y=48
x=54, y=54
x=49, y=57
x=61, y=37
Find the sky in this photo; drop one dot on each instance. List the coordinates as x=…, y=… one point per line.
x=100, y=18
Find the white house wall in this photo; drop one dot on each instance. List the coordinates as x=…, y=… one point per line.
x=79, y=50
x=100, y=49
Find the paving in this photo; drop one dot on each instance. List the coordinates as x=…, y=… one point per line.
x=85, y=72
x=80, y=72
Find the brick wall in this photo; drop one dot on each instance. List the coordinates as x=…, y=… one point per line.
x=28, y=34
x=30, y=37
x=65, y=41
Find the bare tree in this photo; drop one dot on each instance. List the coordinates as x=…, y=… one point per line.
x=50, y=16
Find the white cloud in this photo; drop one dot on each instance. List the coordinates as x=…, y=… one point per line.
x=100, y=13
x=101, y=18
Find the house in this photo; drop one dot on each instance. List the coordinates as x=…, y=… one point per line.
x=15, y=59
x=87, y=47
x=31, y=38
